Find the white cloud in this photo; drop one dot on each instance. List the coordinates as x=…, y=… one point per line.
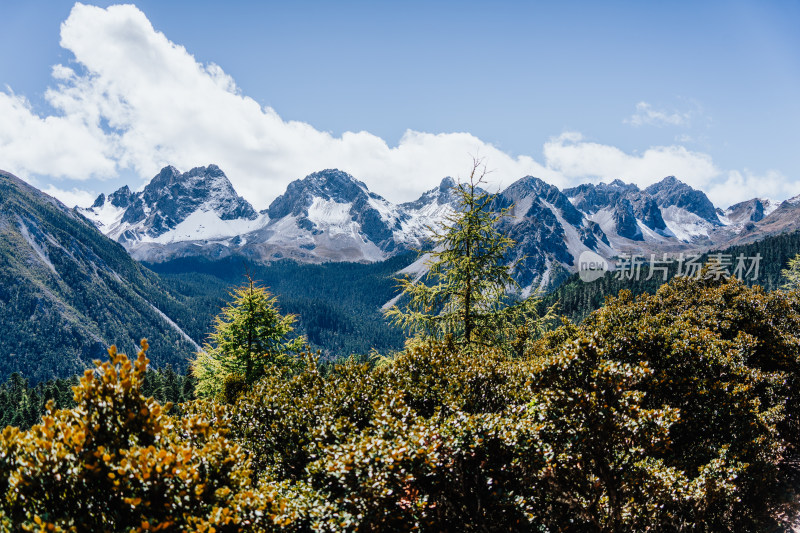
x=158, y=105
x=58, y=146
x=646, y=114
x=579, y=160
x=72, y=197
x=134, y=101
x=736, y=186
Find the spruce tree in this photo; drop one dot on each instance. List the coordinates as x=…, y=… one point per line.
x=249, y=335
x=792, y=274
x=467, y=294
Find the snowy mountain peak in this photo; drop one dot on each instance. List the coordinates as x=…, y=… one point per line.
x=524, y=192
x=331, y=216
x=443, y=195
x=619, y=184
x=526, y=186
x=331, y=184
x=794, y=200
x=167, y=202
x=177, y=195
x=752, y=210
x=671, y=192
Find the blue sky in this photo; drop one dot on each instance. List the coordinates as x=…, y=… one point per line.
x=401, y=94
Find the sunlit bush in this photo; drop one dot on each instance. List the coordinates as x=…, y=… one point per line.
x=724, y=358
x=119, y=462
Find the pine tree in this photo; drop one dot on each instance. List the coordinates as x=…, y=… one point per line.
x=249, y=335
x=792, y=274
x=467, y=293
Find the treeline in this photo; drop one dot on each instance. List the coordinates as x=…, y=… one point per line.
x=338, y=305
x=22, y=405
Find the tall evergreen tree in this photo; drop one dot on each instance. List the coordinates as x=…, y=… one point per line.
x=792, y=274
x=249, y=334
x=467, y=295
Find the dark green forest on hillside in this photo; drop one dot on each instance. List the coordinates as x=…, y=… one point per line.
x=67, y=291
x=22, y=404
x=576, y=298
x=337, y=304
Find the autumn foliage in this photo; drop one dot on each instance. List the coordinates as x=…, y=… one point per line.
x=118, y=462
x=669, y=412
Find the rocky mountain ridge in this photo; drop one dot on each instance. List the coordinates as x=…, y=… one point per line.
x=331, y=216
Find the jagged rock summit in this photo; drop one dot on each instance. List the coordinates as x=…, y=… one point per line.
x=331, y=216
x=174, y=206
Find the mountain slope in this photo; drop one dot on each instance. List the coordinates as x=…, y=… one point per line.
x=332, y=216
x=67, y=292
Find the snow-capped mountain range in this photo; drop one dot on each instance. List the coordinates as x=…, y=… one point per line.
x=331, y=216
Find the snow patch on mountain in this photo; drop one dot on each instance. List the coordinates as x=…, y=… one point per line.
x=770, y=205
x=521, y=208
x=415, y=228
x=686, y=226
x=26, y=234
x=333, y=215
x=208, y=226
x=176, y=327
x=574, y=242
x=105, y=216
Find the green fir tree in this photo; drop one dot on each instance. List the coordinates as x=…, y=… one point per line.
x=467, y=294
x=249, y=335
x=792, y=274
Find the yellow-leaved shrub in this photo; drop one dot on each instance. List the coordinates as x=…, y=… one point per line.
x=118, y=462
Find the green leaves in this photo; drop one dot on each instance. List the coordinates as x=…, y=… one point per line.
x=249, y=336
x=792, y=274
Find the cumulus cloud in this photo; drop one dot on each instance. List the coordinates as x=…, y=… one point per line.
x=772, y=184
x=579, y=160
x=138, y=101
x=58, y=146
x=133, y=101
x=71, y=197
x=646, y=114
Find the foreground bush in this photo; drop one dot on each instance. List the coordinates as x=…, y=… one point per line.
x=724, y=359
x=117, y=462
x=671, y=412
